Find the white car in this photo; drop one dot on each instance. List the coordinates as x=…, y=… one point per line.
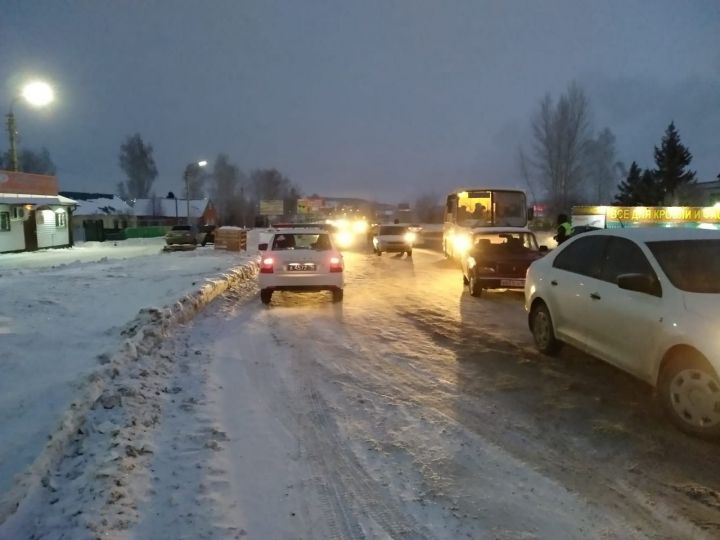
x=394, y=239
x=300, y=260
x=646, y=300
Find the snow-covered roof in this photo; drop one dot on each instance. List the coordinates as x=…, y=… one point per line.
x=22, y=198
x=109, y=206
x=162, y=207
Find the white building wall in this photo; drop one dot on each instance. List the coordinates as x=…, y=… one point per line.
x=48, y=234
x=14, y=239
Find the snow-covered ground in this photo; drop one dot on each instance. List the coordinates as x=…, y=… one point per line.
x=412, y=410
x=63, y=313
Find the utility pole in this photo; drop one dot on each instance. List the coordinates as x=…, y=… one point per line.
x=187, y=191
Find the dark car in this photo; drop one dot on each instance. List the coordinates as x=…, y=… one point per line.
x=499, y=259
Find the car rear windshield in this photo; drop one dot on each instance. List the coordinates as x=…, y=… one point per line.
x=319, y=241
x=691, y=265
x=181, y=228
x=392, y=230
x=506, y=242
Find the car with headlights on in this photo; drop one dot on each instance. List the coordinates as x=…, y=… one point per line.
x=498, y=258
x=646, y=300
x=300, y=260
x=394, y=238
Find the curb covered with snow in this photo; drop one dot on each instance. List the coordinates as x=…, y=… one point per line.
x=143, y=335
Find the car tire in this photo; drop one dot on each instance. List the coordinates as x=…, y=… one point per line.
x=409, y=253
x=378, y=252
x=690, y=376
x=266, y=296
x=542, y=330
x=337, y=295
x=474, y=286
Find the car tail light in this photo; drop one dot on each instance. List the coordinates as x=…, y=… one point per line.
x=267, y=266
x=335, y=264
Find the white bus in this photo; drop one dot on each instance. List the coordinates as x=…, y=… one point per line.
x=480, y=208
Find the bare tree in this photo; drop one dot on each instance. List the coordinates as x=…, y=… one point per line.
x=136, y=160
x=428, y=208
x=603, y=168
x=560, y=133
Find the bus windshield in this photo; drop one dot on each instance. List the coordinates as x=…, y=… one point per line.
x=487, y=208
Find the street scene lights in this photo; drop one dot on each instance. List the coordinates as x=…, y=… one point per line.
x=188, y=171
x=36, y=94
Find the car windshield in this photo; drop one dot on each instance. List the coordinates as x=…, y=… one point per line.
x=691, y=265
x=506, y=242
x=316, y=241
x=392, y=230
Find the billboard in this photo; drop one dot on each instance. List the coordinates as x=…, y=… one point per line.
x=272, y=208
x=309, y=206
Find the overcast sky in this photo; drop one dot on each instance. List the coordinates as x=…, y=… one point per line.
x=374, y=98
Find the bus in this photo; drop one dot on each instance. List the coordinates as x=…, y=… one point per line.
x=480, y=208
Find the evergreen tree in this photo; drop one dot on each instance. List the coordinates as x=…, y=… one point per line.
x=672, y=160
x=640, y=188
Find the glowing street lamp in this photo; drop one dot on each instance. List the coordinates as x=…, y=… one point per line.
x=36, y=94
x=188, y=169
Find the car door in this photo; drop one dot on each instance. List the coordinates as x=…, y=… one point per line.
x=575, y=269
x=624, y=325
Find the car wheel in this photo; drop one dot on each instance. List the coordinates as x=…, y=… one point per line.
x=409, y=253
x=378, y=252
x=474, y=286
x=337, y=295
x=542, y=330
x=265, y=296
x=690, y=393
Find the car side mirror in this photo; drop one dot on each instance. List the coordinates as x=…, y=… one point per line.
x=543, y=249
x=262, y=247
x=643, y=283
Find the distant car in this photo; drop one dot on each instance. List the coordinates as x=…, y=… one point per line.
x=301, y=260
x=498, y=258
x=393, y=239
x=181, y=235
x=645, y=300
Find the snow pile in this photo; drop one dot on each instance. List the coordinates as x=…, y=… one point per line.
x=60, y=322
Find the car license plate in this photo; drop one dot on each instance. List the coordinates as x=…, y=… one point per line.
x=301, y=267
x=512, y=282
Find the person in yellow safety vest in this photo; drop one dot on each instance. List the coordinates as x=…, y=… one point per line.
x=563, y=230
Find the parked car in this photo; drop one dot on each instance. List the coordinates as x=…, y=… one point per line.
x=645, y=300
x=181, y=235
x=393, y=239
x=499, y=259
x=207, y=234
x=301, y=260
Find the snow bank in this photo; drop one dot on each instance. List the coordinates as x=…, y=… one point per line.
x=139, y=338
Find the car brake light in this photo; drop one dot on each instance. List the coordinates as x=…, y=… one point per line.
x=267, y=266
x=335, y=264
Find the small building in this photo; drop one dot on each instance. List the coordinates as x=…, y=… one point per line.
x=98, y=216
x=168, y=211
x=33, y=215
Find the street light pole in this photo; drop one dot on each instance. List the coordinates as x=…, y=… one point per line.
x=12, y=134
x=191, y=166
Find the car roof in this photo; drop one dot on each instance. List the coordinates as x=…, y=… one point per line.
x=500, y=230
x=654, y=234
x=302, y=230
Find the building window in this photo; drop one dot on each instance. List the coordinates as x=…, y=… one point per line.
x=18, y=213
x=60, y=220
x=4, y=221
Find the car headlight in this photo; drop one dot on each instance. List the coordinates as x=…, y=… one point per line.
x=486, y=269
x=360, y=227
x=410, y=237
x=344, y=239
x=461, y=244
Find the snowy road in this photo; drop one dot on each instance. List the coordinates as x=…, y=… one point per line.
x=412, y=410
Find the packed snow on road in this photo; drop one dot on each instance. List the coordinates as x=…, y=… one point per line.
x=409, y=410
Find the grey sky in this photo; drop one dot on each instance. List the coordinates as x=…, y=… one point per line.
x=378, y=98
